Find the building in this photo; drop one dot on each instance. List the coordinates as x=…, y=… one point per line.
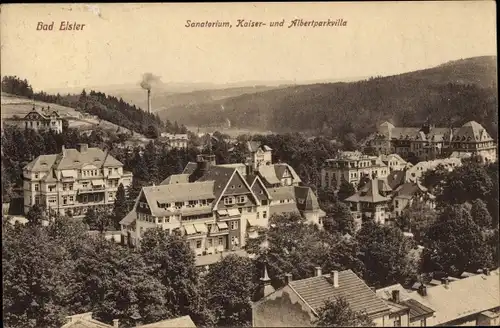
x=405, y=311
x=351, y=166
x=257, y=154
x=372, y=201
x=429, y=142
x=394, y=162
x=298, y=302
x=470, y=301
x=218, y=206
x=39, y=119
x=408, y=193
x=415, y=172
x=180, y=322
x=85, y=320
x=74, y=180
x=178, y=141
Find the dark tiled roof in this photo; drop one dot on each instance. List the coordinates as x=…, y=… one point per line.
x=129, y=218
x=396, y=178
x=417, y=309
x=253, y=146
x=369, y=194
x=190, y=168
x=316, y=290
x=408, y=190
x=220, y=176
x=310, y=199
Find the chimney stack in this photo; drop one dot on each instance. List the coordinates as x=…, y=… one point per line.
x=82, y=148
x=288, y=278
x=266, y=287
x=422, y=290
x=335, y=278
x=395, y=296
x=486, y=271
x=116, y=323
x=445, y=281
x=317, y=271
x=149, y=101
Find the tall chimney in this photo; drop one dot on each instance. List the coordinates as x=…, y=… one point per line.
x=486, y=271
x=395, y=296
x=317, y=271
x=422, y=290
x=266, y=287
x=335, y=278
x=116, y=323
x=288, y=278
x=149, y=101
x=445, y=282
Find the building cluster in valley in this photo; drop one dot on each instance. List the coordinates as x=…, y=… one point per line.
x=217, y=207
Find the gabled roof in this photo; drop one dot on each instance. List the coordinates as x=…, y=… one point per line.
x=282, y=193
x=417, y=309
x=42, y=163
x=409, y=189
x=181, y=322
x=462, y=297
x=129, y=218
x=252, y=146
x=396, y=178
x=176, y=178
x=316, y=290
x=368, y=194
x=84, y=320
x=50, y=177
x=383, y=185
x=310, y=203
x=283, y=208
x=268, y=174
x=281, y=168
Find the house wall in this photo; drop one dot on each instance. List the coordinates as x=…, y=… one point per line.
x=281, y=309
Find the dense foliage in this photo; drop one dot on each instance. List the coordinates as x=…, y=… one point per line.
x=337, y=313
x=450, y=95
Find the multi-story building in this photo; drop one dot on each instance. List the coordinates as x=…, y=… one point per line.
x=179, y=141
x=471, y=301
x=415, y=172
x=351, y=166
x=430, y=142
x=39, y=119
x=297, y=304
x=258, y=154
x=218, y=206
x=372, y=201
x=74, y=180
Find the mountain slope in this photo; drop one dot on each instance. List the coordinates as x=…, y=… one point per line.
x=449, y=94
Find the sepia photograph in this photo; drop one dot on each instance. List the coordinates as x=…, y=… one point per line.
x=309, y=164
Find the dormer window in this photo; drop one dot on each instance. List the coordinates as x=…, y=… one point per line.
x=229, y=201
x=242, y=199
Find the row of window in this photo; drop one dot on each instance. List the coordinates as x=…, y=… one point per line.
x=231, y=200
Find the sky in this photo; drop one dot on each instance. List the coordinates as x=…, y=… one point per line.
x=120, y=42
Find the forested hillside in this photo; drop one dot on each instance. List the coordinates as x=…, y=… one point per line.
x=449, y=94
x=106, y=107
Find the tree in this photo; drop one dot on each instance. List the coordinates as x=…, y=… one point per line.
x=120, y=209
x=339, y=219
x=350, y=142
x=386, y=255
x=416, y=219
x=338, y=313
x=169, y=258
x=231, y=285
x=346, y=189
x=35, y=215
x=35, y=277
x=152, y=132
x=480, y=214
x=455, y=243
x=113, y=282
x=98, y=219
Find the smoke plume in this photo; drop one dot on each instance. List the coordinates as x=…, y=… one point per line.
x=149, y=80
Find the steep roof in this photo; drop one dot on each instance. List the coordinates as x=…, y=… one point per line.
x=252, y=146
x=316, y=290
x=462, y=297
x=182, y=322
x=281, y=168
x=306, y=194
x=129, y=218
x=282, y=193
x=417, y=309
x=268, y=174
x=368, y=194
x=409, y=189
x=42, y=163
x=396, y=178
x=472, y=131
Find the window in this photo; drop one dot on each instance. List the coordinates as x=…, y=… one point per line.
x=232, y=187
x=71, y=199
x=258, y=215
x=192, y=202
x=249, y=210
x=198, y=244
x=65, y=200
x=70, y=186
x=234, y=225
x=397, y=321
x=209, y=242
x=423, y=323
x=37, y=187
x=282, y=201
x=37, y=200
x=264, y=202
x=233, y=240
x=179, y=204
x=229, y=201
x=264, y=214
x=51, y=188
x=242, y=199
x=166, y=219
x=221, y=241
x=85, y=184
x=36, y=175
